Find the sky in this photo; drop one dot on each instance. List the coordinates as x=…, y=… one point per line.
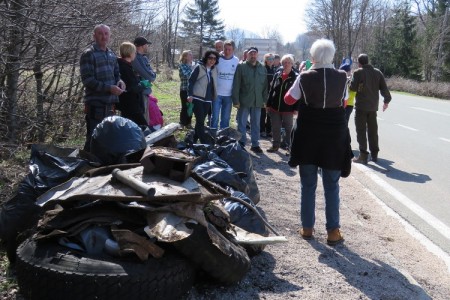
x=256, y=15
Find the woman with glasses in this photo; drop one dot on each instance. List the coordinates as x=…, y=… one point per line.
x=282, y=114
x=202, y=90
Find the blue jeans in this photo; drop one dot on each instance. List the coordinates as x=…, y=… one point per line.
x=308, y=180
x=242, y=117
x=221, y=107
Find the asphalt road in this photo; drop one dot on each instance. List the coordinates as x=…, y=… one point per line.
x=412, y=175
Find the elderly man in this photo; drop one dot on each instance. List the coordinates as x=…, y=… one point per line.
x=101, y=79
x=219, y=46
x=141, y=66
x=222, y=104
x=249, y=96
x=367, y=82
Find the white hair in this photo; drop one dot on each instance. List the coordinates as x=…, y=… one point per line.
x=322, y=51
x=289, y=57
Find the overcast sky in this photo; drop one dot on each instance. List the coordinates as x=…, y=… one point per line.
x=256, y=15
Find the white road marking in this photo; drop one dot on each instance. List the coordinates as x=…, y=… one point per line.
x=431, y=111
x=444, y=139
x=381, y=119
x=419, y=211
x=407, y=127
x=426, y=242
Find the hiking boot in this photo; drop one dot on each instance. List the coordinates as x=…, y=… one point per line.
x=335, y=237
x=361, y=159
x=306, y=233
x=273, y=149
x=256, y=149
x=374, y=157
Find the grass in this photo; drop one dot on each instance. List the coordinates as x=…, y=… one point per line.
x=168, y=94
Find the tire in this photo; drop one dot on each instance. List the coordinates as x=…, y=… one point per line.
x=226, y=269
x=49, y=271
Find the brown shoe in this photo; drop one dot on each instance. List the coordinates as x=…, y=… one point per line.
x=306, y=233
x=273, y=149
x=335, y=237
x=361, y=159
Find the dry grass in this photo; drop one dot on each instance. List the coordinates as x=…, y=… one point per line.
x=429, y=89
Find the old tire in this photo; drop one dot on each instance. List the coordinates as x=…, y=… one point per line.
x=49, y=271
x=199, y=248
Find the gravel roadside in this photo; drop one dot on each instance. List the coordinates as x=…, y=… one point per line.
x=378, y=260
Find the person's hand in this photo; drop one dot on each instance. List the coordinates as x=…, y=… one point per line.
x=115, y=90
x=236, y=105
x=189, y=99
x=122, y=85
x=385, y=106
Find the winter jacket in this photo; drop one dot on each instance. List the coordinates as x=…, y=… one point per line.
x=250, y=85
x=278, y=88
x=368, y=82
x=200, y=86
x=321, y=136
x=142, y=67
x=130, y=101
x=99, y=71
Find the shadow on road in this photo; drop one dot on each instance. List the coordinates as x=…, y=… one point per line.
x=386, y=167
x=376, y=279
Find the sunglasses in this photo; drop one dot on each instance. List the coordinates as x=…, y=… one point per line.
x=212, y=57
x=269, y=58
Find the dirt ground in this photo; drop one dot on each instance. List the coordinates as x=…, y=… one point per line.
x=378, y=260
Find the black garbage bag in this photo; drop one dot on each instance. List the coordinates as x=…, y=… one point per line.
x=218, y=171
x=227, y=135
x=49, y=166
x=245, y=218
x=115, y=138
x=241, y=162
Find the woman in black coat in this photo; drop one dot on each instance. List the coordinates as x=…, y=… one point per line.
x=321, y=138
x=130, y=101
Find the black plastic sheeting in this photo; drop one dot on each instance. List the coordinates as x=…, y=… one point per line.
x=230, y=155
x=49, y=166
x=245, y=218
x=115, y=138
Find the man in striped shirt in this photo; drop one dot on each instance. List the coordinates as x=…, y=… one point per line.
x=101, y=79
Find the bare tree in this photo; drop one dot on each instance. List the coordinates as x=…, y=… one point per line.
x=339, y=20
x=41, y=85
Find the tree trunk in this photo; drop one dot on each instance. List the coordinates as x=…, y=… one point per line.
x=13, y=64
x=38, y=75
x=440, y=55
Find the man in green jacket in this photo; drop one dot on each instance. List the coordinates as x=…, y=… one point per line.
x=368, y=82
x=249, y=96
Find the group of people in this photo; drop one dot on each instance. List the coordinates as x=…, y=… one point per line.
x=220, y=81
x=321, y=96
x=122, y=83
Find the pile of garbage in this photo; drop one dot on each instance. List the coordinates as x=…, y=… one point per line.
x=138, y=218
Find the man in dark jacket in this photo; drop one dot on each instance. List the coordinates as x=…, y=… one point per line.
x=367, y=82
x=100, y=75
x=141, y=65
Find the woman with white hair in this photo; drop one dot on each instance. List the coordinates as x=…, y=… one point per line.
x=320, y=138
x=281, y=113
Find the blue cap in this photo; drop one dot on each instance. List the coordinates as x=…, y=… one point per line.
x=346, y=67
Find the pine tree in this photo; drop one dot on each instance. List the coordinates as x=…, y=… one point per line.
x=201, y=25
x=402, y=42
